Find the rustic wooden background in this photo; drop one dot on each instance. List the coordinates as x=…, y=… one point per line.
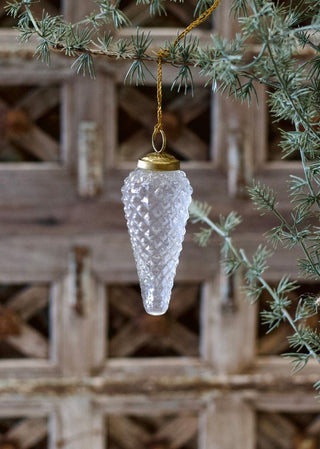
x=81, y=365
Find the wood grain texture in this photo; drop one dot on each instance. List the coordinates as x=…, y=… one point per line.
x=216, y=425
x=228, y=325
x=39, y=183
x=81, y=321
x=90, y=160
x=149, y=378
x=27, y=301
x=42, y=202
x=28, y=368
x=28, y=432
x=77, y=425
x=30, y=342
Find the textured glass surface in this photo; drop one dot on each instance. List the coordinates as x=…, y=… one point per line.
x=156, y=208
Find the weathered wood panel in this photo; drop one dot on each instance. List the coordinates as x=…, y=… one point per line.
x=77, y=425
x=228, y=325
x=28, y=432
x=28, y=368
x=228, y=421
x=44, y=258
x=81, y=317
x=149, y=378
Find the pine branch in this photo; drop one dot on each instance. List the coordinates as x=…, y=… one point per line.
x=280, y=302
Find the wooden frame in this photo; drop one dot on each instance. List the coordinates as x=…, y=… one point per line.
x=26, y=432
x=29, y=340
x=63, y=224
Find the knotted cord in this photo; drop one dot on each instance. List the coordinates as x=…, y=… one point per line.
x=158, y=128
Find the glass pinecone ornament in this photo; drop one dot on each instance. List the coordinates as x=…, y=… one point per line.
x=156, y=197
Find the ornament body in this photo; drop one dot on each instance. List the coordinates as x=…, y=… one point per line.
x=156, y=208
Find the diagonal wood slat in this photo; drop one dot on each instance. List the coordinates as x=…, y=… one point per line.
x=126, y=433
x=38, y=101
x=34, y=140
x=275, y=342
x=136, y=145
x=127, y=341
x=179, y=431
x=189, y=145
x=135, y=334
x=190, y=107
x=28, y=432
x=30, y=342
x=38, y=143
x=286, y=430
x=124, y=300
x=182, y=340
x=277, y=429
x=138, y=106
x=176, y=432
x=314, y=427
x=27, y=302
x=183, y=298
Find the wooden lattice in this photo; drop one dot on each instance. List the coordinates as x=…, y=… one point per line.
x=133, y=333
x=162, y=432
x=107, y=375
x=24, y=322
x=29, y=123
x=23, y=433
x=288, y=431
x=186, y=121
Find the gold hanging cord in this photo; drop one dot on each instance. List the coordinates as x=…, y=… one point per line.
x=158, y=129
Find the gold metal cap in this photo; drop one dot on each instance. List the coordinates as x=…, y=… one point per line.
x=159, y=162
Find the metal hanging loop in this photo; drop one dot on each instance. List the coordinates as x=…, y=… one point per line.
x=164, y=140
